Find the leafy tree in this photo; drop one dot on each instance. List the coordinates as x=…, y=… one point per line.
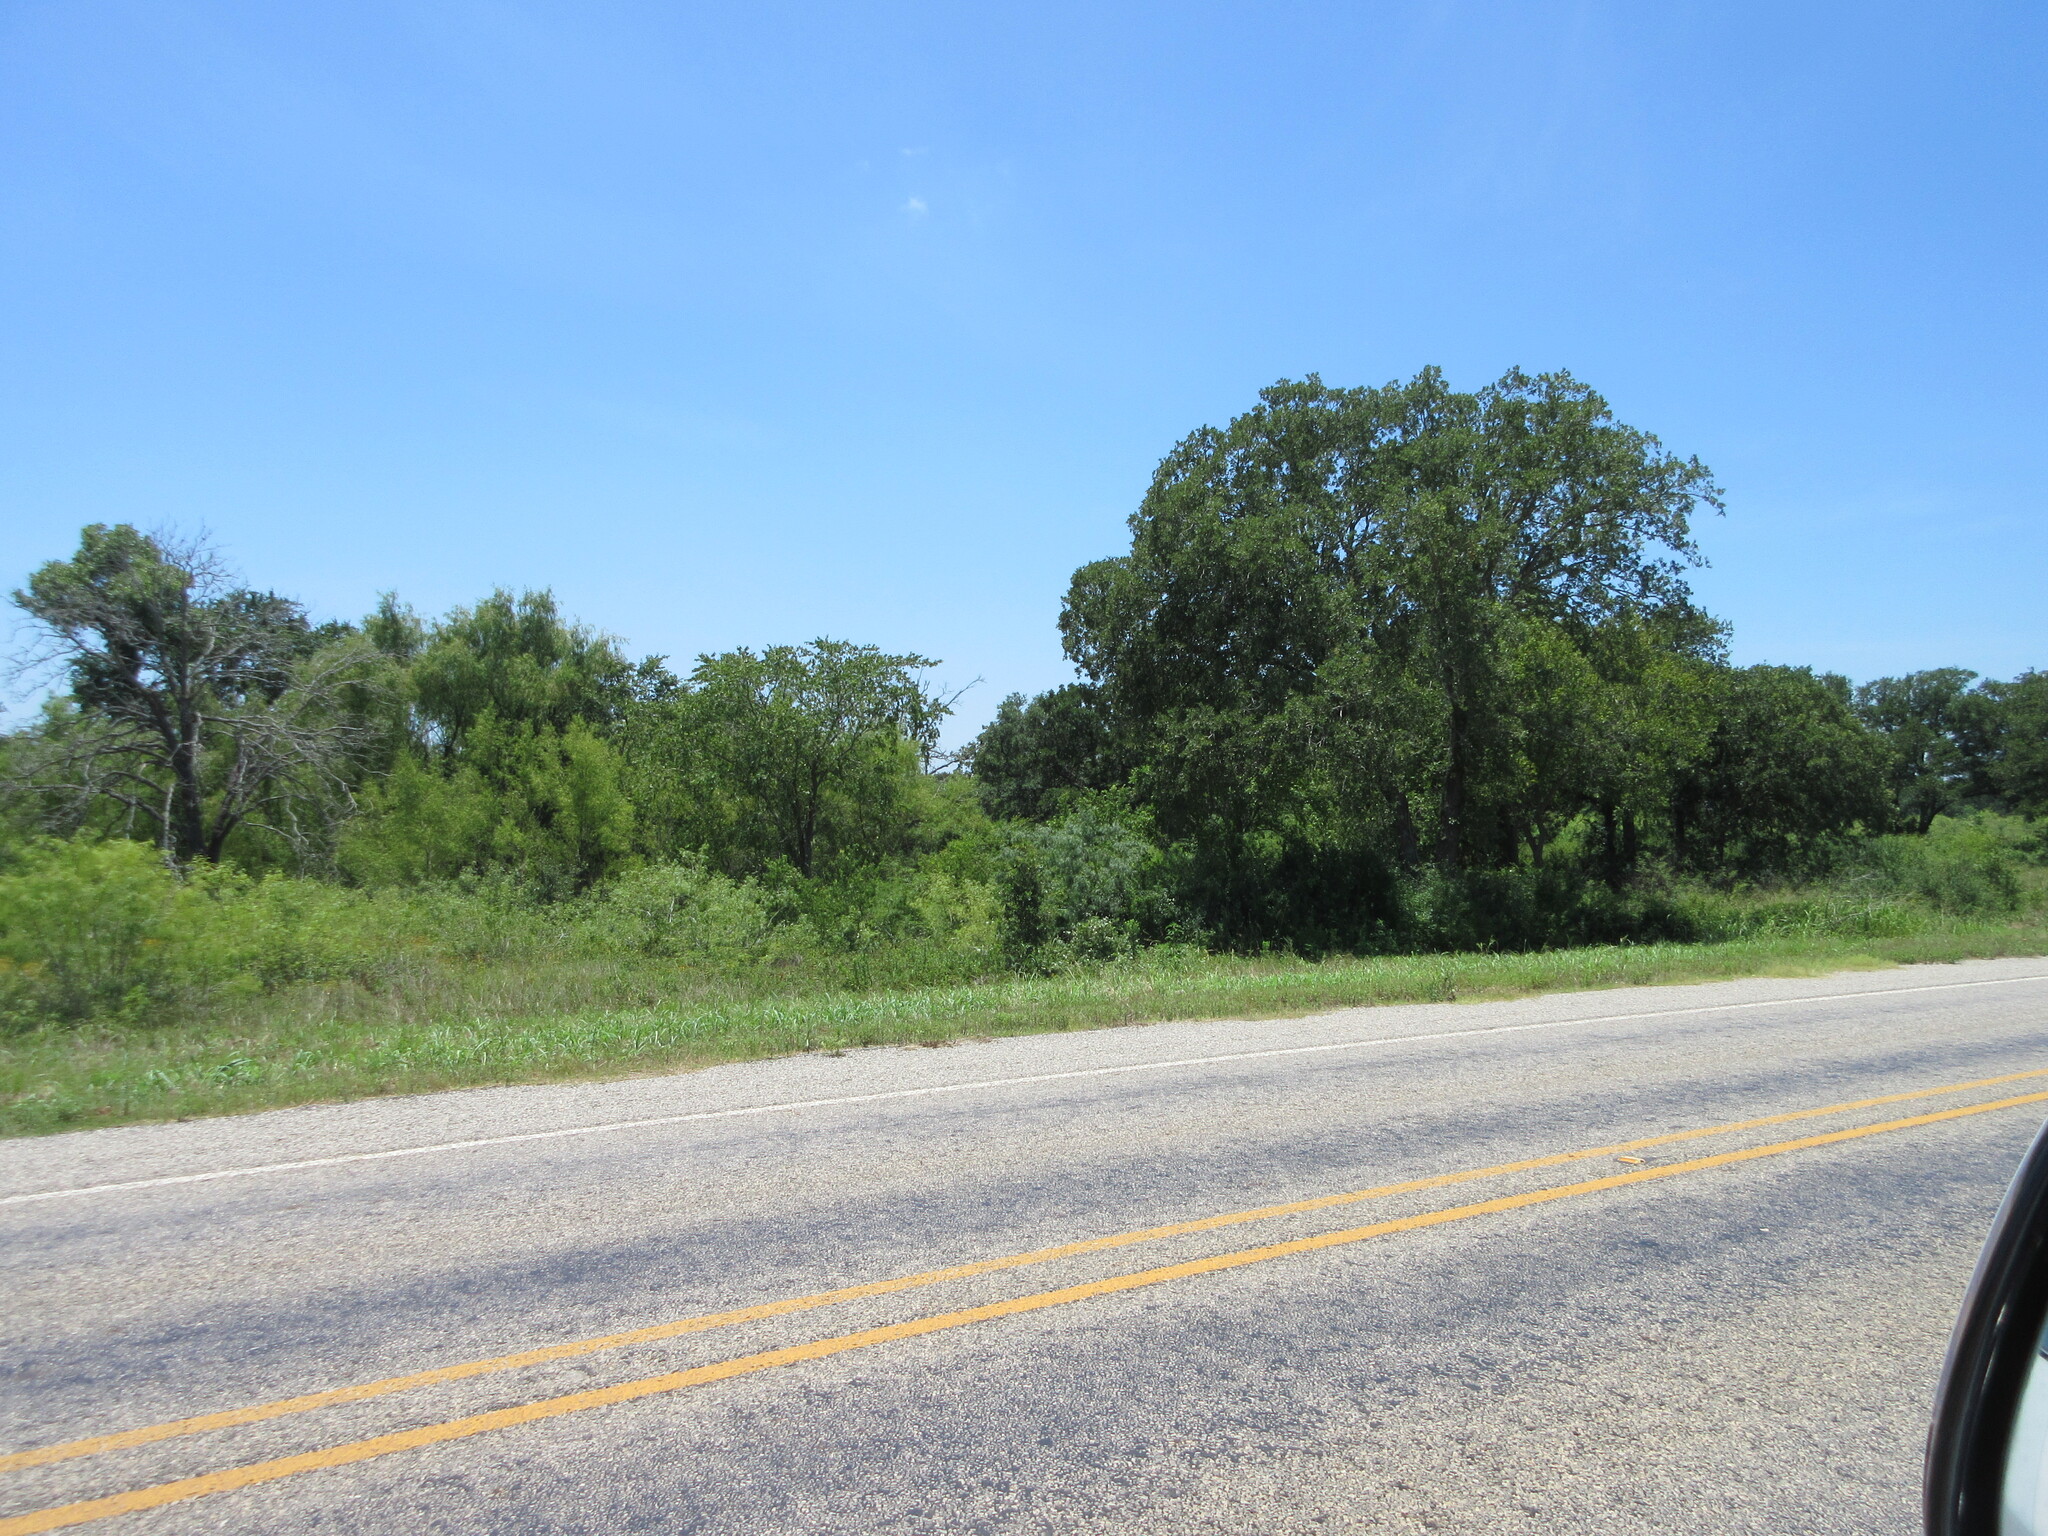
x=1922, y=716
x=395, y=629
x=1333, y=608
x=420, y=823
x=516, y=659
x=563, y=819
x=544, y=806
x=197, y=707
x=2020, y=771
x=1787, y=767
x=511, y=767
x=805, y=753
x=1087, y=881
x=1034, y=758
x=1649, y=716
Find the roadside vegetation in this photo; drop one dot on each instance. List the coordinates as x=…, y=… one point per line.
x=1398, y=695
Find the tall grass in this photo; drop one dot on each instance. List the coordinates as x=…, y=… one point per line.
x=126, y=994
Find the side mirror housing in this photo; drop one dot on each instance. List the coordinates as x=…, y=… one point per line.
x=1987, y=1450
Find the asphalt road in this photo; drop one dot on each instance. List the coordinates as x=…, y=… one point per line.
x=1715, y=1337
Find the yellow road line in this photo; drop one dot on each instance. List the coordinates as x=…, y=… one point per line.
x=576, y=1402
x=258, y=1413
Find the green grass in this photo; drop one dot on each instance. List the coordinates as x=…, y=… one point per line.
x=501, y=1022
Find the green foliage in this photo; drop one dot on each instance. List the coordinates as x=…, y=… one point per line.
x=1787, y=772
x=810, y=754
x=86, y=928
x=546, y=806
x=1921, y=717
x=1802, y=914
x=956, y=913
x=198, y=709
x=563, y=818
x=679, y=911
x=1036, y=758
x=106, y=930
x=1087, y=886
x=1955, y=746
x=1284, y=888
x=1383, y=669
x=1361, y=631
x=1976, y=865
x=1361, y=605
x=419, y=824
x=2020, y=770
x=1531, y=908
x=514, y=659
x=1977, y=868
x=945, y=906
x=105, y=933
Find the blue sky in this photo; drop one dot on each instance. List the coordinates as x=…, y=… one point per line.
x=751, y=323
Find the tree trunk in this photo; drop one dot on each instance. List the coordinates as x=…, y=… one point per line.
x=1450, y=840
x=188, y=802
x=1404, y=831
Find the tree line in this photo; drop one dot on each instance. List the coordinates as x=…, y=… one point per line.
x=1370, y=651
x=1368, y=634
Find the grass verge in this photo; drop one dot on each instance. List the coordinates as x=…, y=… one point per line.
x=299, y=1052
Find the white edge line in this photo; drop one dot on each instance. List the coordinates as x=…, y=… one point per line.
x=969, y=1087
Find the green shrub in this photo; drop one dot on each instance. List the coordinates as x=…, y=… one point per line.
x=266, y=933
x=492, y=915
x=1719, y=916
x=679, y=910
x=93, y=929
x=1963, y=865
x=529, y=800
x=1526, y=908
x=418, y=825
x=956, y=912
x=1090, y=879
x=107, y=931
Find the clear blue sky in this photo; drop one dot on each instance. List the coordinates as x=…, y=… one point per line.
x=753, y=322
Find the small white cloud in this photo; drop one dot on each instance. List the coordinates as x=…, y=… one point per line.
x=918, y=151
x=916, y=208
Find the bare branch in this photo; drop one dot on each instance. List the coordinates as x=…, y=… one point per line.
x=194, y=701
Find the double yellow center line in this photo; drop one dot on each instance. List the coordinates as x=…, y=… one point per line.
x=576, y=1402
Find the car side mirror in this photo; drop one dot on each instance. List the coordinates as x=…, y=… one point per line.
x=1987, y=1451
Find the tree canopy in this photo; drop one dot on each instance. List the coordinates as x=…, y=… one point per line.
x=810, y=749
x=1405, y=621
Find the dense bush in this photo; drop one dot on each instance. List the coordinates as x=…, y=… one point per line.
x=89, y=928
x=1965, y=865
x=1089, y=886
x=539, y=804
x=107, y=932
x=104, y=931
x=1970, y=867
x=677, y=911
x=1526, y=908
x=92, y=929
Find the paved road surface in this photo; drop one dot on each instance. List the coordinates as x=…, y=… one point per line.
x=1745, y=1346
